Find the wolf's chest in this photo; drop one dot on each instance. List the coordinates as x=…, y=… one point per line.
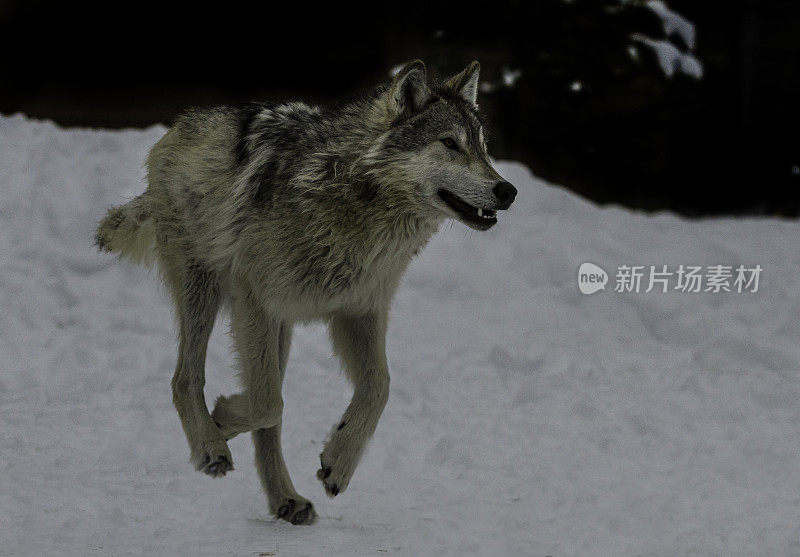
x=354, y=270
x=352, y=278
x=311, y=270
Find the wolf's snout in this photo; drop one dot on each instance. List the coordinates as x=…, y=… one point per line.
x=505, y=193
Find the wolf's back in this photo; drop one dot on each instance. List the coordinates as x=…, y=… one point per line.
x=128, y=231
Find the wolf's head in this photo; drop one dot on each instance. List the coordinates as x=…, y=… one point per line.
x=435, y=144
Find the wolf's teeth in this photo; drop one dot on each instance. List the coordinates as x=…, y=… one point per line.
x=480, y=212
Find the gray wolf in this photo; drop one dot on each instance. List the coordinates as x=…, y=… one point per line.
x=284, y=214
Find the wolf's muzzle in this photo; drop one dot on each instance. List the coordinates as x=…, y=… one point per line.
x=505, y=193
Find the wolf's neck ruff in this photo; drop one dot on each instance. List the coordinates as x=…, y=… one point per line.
x=338, y=178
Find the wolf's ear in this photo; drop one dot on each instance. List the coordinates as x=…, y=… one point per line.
x=466, y=83
x=409, y=90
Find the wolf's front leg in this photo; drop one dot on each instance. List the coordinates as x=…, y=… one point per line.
x=262, y=343
x=257, y=336
x=284, y=501
x=360, y=343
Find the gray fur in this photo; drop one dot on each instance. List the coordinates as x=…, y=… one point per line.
x=287, y=213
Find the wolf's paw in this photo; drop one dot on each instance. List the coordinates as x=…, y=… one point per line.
x=334, y=476
x=227, y=416
x=213, y=458
x=297, y=511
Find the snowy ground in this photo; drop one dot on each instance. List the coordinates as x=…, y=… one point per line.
x=525, y=417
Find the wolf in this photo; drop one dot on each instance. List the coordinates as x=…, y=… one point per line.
x=285, y=214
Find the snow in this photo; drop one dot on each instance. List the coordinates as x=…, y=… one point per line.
x=673, y=22
x=525, y=418
x=670, y=58
x=508, y=79
x=510, y=76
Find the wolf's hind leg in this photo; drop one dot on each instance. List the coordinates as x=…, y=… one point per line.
x=196, y=292
x=360, y=343
x=231, y=414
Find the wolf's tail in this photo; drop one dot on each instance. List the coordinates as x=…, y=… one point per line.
x=128, y=231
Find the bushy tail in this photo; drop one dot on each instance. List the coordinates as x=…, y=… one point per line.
x=128, y=231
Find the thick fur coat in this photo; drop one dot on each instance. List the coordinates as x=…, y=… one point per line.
x=286, y=213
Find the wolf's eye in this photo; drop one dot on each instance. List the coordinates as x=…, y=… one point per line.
x=450, y=143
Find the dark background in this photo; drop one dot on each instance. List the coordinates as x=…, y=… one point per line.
x=723, y=144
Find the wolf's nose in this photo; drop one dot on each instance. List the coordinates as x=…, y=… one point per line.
x=506, y=193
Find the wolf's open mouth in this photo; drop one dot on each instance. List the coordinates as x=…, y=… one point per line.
x=485, y=218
